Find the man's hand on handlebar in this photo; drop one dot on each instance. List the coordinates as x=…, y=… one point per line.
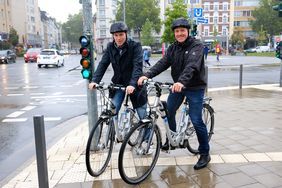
x=92, y=85
x=177, y=87
x=130, y=89
x=141, y=80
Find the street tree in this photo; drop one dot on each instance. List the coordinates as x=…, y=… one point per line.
x=266, y=17
x=238, y=39
x=147, y=38
x=137, y=12
x=178, y=9
x=261, y=37
x=13, y=37
x=72, y=29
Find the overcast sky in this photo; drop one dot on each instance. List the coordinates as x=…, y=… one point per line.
x=60, y=9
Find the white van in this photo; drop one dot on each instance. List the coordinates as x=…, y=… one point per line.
x=262, y=49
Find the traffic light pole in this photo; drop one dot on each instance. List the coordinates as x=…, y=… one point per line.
x=280, y=74
x=91, y=94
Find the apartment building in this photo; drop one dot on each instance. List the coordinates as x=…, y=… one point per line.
x=105, y=15
x=5, y=19
x=26, y=21
x=242, y=16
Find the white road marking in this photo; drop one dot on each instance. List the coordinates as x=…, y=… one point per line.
x=30, y=87
x=61, y=96
x=27, y=108
x=48, y=86
x=15, y=94
x=11, y=88
x=52, y=118
x=57, y=93
x=37, y=94
x=66, y=86
x=15, y=120
x=15, y=114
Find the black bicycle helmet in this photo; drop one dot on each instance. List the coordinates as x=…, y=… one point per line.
x=118, y=27
x=180, y=22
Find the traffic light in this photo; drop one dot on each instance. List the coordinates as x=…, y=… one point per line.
x=194, y=30
x=278, y=8
x=278, y=52
x=86, y=53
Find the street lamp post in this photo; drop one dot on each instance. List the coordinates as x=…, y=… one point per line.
x=227, y=41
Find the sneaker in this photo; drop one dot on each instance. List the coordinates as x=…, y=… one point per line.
x=151, y=149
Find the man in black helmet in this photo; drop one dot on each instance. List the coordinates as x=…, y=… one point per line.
x=125, y=56
x=185, y=57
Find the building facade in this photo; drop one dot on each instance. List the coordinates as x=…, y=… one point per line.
x=105, y=15
x=5, y=19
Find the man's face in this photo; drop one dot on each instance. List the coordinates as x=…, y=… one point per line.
x=120, y=38
x=181, y=34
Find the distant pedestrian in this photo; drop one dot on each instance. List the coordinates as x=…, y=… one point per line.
x=217, y=51
x=146, y=57
x=206, y=52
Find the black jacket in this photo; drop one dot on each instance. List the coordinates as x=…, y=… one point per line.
x=127, y=62
x=187, y=64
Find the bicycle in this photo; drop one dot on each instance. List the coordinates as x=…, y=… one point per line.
x=102, y=136
x=135, y=164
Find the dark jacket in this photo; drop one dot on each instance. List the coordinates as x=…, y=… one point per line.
x=187, y=64
x=127, y=62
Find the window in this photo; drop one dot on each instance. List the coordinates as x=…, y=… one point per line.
x=224, y=18
x=238, y=14
x=215, y=20
x=225, y=6
x=103, y=33
x=238, y=3
x=206, y=6
x=32, y=19
x=247, y=13
x=215, y=6
x=101, y=2
x=206, y=31
x=102, y=23
x=102, y=13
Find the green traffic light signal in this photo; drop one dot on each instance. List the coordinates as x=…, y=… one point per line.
x=278, y=52
x=86, y=53
x=194, y=30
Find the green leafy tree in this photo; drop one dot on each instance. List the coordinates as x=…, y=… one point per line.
x=178, y=9
x=13, y=37
x=261, y=38
x=72, y=29
x=146, y=34
x=238, y=39
x=215, y=33
x=264, y=15
x=137, y=12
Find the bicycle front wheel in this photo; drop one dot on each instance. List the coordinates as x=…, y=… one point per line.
x=99, y=147
x=136, y=163
x=208, y=118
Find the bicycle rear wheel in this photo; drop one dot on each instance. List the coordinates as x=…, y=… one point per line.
x=136, y=163
x=208, y=118
x=99, y=147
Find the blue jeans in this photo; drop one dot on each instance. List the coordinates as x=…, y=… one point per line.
x=118, y=99
x=195, y=99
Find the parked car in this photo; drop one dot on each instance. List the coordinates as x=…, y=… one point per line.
x=157, y=51
x=7, y=56
x=31, y=54
x=262, y=49
x=50, y=57
x=250, y=50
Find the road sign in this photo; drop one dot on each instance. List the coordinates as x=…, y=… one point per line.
x=203, y=20
x=198, y=12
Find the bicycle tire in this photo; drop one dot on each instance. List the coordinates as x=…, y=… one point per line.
x=93, y=155
x=209, y=121
x=128, y=166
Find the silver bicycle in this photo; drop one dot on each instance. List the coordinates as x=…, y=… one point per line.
x=136, y=163
x=107, y=130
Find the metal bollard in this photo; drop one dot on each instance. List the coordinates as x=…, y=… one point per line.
x=40, y=146
x=207, y=77
x=241, y=76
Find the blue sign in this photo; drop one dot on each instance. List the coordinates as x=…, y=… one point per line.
x=203, y=20
x=198, y=12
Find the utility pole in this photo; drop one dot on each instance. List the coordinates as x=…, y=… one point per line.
x=91, y=94
x=123, y=1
